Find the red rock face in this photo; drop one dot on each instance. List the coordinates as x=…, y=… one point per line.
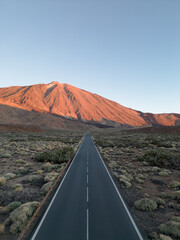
x=66, y=100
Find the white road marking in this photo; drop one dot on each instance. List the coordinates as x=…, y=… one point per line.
x=42, y=220
x=131, y=218
x=87, y=224
x=87, y=154
x=87, y=194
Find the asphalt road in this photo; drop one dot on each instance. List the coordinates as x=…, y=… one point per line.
x=87, y=204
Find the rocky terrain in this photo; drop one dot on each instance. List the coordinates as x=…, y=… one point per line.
x=13, y=118
x=30, y=164
x=70, y=102
x=146, y=167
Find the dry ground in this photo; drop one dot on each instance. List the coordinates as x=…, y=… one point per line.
x=146, y=168
x=22, y=177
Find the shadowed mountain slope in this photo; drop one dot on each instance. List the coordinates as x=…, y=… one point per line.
x=11, y=117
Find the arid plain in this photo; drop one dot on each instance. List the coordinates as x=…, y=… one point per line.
x=145, y=167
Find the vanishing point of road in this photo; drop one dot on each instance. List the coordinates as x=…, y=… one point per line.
x=87, y=204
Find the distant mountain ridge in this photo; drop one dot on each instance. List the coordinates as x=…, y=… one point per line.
x=71, y=102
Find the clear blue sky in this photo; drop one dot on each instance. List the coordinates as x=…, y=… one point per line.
x=124, y=50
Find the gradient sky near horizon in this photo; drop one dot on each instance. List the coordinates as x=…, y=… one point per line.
x=125, y=50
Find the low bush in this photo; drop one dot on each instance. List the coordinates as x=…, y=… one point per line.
x=175, y=195
x=21, y=215
x=160, y=158
x=2, y=228
x=9, y=176
x=164, y=173
x=21, y=171
x=12, y=206
x=2, y=181
x=171, y=228
x=164, y=237
x=5, y=155
x=17, y=187
x=160, y=143
x=104, y=143
x=56, y=156
x=9, y=208
x=123, y=142
x=161, y=202
x=45, y=188
x=20, y=161
x=146, y=204
x=124, y=183
x=174, y=184
x=36, y=180
x=48, y=167
x=51, y=177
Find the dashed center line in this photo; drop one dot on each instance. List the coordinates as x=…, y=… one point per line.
x=87, y=195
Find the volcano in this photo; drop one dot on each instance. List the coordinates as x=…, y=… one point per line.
x=70, y=102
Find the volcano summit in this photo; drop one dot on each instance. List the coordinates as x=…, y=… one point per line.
x=73, y=103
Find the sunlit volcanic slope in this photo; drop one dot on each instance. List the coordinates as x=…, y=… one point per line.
x=68, y=101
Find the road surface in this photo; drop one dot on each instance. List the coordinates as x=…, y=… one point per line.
x=87, y=204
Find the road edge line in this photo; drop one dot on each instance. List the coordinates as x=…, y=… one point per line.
x=124, y=204
x=47, y=210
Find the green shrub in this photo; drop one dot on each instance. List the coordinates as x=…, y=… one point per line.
x=45, y=188
x=176, y=219
x=51, y=177
x=174, y=184
x=17, y=187
x=56, y=156
x=164, y=237
x=160, y=201
x=22, y=171
x=164, y=174
x=141, y=176
x=9, y=208
x=2, y=228
x=123, y=177
x=171, y=228
x=48, y=166
x=2, y=181
x=34, y=178
x=12, y=206
x=146, y=204
x=5, y=155
x=104, y=143
x=21, y=215
x=9, y=176
x=124, y=183
x=171, y=205
x=28, y=165
x=160, y=143
x=163, y=195
x=155, y=169
x=160, y=158
x=138, y=180
x=20, y=161
x=175, y=195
